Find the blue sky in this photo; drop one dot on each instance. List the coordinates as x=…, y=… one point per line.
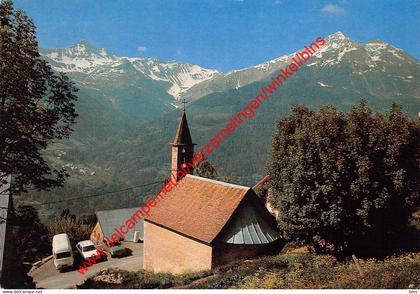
x=221, y=34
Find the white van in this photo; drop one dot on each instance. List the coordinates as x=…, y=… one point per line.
x=62, y=253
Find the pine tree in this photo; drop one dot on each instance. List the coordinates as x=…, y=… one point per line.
x=37, y=105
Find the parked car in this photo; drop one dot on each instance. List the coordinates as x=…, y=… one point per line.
x=62, y=252
x=86, y=249
x=117, y=250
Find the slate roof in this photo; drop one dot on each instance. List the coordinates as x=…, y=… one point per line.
x=199, y=207
x=110, y=219
x=248, y=226
x=183, y=135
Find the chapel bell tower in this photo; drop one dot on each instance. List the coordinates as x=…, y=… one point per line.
x=182, y=147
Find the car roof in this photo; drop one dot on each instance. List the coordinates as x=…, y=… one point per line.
x=61, y=243
x=61, y=238
x=85, y=243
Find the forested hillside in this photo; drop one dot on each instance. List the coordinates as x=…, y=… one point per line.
x=123, y=140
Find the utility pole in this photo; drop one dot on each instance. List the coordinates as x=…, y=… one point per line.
x=5, y=205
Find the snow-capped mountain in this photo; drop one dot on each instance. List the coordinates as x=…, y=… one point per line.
x=183, y=80
x=182, y=76
x=81, y=57
x=98, y=62
x=336, y=48
x=339, y=49
x=127, y=83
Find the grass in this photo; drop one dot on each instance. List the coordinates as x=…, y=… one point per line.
x=120, y=279
x=294, y=270
x=308, y=271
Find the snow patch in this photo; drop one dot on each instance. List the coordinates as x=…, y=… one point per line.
x=394, y=52
x=264, y=66
x=372, y=47
x=346, y=50
x=324, y=85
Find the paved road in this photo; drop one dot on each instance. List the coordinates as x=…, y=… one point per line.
x=47, y=277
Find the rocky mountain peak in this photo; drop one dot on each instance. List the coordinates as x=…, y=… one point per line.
x=84, y=48
x=85, y=58
x=338, y=36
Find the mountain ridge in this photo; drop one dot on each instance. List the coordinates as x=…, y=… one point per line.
x=191, y=81
x=87, y=59
x=337, y=47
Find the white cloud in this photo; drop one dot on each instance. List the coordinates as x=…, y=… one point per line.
x=141, y=49
x=333, y=9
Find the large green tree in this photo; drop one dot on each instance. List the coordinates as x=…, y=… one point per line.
x=37, y=105
x=345, y=182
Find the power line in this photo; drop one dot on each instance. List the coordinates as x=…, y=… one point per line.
x=98, y=195
x=106, y=193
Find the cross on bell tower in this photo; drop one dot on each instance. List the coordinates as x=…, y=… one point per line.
x=182, y=147
x=184, y=102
